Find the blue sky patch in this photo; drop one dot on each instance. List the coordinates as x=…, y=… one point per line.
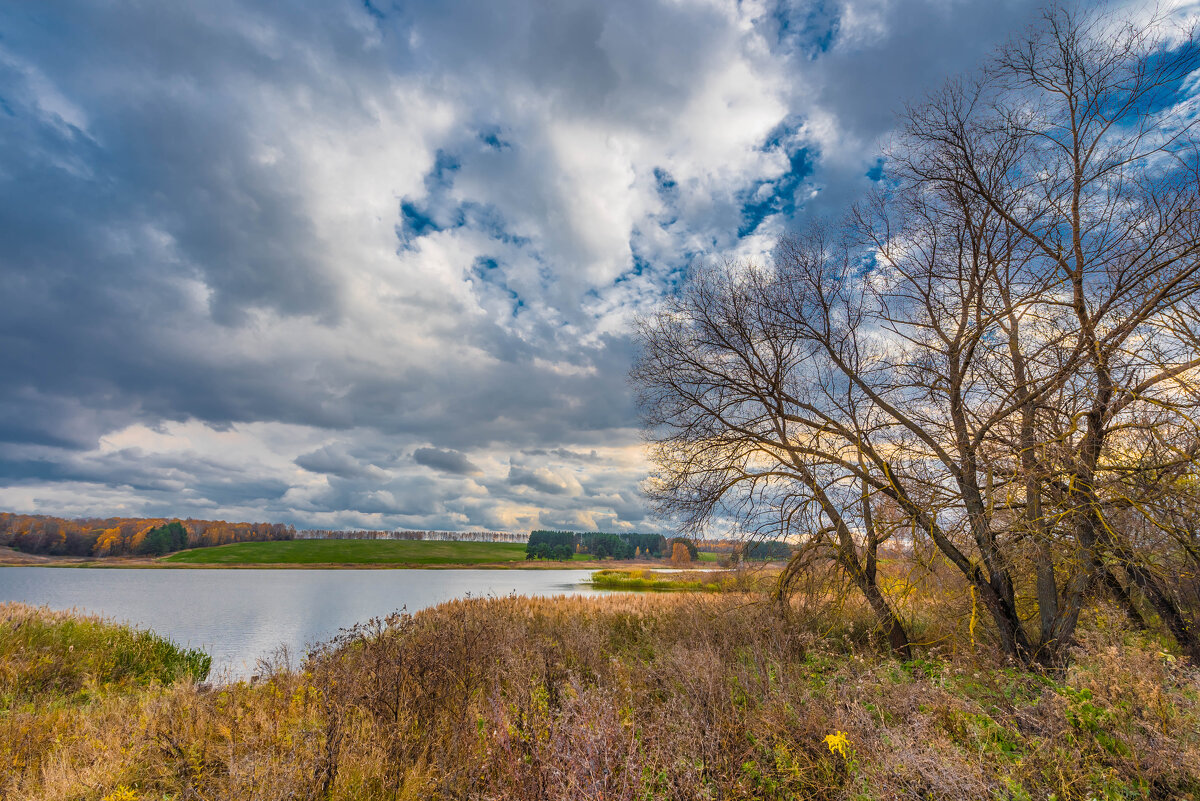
x=1170, y=92
x=769, y=198
x=444, y=167
x=640, y=266
x=438, y=211
x=415, y=222
x=490, y=136
x=810, y=29
x=372, y=10
x=488, y=271
x=665, y=183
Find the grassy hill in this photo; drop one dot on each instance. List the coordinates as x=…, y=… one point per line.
x=353, y=552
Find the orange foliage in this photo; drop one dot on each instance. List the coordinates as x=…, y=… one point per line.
x=116, y=536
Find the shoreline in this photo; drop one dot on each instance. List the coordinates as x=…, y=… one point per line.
x=19, y=559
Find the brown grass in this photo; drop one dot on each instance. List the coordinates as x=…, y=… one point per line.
x=680, y=696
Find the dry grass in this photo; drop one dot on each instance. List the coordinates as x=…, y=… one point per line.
x=679, y=696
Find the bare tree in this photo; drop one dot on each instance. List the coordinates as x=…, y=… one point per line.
x=1008, y=362
x=727, y=387
x=1077, y=140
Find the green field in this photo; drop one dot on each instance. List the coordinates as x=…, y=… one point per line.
x=353, y=552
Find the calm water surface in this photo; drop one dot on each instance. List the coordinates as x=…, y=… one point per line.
x=239, y=615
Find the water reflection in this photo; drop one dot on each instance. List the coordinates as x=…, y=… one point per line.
x=240, y=615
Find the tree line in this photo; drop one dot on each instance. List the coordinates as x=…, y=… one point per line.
x=755, y=548
x=123, y=536
x=563, y=545
x=601, y=544
x=992, y=363
x=410, y=535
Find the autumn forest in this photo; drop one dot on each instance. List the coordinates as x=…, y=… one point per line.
x=122, y=536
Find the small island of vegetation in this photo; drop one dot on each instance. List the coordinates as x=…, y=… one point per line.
x=652, y=581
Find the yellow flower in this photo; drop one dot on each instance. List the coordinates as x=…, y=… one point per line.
x=837, y=743
x=122, y=793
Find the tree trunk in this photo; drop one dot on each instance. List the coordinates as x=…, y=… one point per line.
x=1178, y=624
x=892, y=627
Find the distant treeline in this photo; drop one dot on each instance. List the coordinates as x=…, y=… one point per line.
x=436, y=536
x=748, y=549
x=602, y=545
x=122, y=536
x=628, y=545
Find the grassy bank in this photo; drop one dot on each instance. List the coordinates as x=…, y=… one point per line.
x=651, y=581
x=61, y=657
x=671, y=696
x=353, y=552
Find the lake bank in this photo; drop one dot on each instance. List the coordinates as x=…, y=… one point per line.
x=242, y=615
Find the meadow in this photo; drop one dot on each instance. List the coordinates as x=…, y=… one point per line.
x=352, y=552
x=627, y=698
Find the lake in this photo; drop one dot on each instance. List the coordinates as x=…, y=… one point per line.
x=239, y=615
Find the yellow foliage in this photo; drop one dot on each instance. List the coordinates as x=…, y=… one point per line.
x=108, y=542
x=838, y=742
x=974, y=612
x=122, y=793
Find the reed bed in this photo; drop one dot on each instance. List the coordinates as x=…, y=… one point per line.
x=633, y=696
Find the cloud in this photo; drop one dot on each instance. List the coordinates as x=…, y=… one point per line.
x=544, y=479
x=448, y=461
x=257, y=254
x=336, y=460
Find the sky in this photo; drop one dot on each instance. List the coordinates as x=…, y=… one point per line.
x=374, y=264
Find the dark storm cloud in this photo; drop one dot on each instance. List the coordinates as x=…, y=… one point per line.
x=335, y=460
x=157, y=139
x=256, y=253
x=157, y=476
x=447, y=461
